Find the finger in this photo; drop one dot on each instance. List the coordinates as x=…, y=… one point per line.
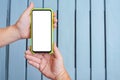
x=28, y=52
x=54, y=14
x=32, y=58
x=28, y=10
x=55, y=20
x=47, y=56
x=36, y=65
x=55, y=25
x=38, y=55
x=57, y=52
x=44, y=63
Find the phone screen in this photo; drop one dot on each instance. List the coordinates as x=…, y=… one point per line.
x=42, y=30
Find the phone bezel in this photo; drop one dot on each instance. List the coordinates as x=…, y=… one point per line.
x=42, y=9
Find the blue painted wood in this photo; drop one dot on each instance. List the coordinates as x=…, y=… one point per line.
x=83, y=43
x=3, y=14
x=67, y=39
x=2, y=63
x=33, y=73
x=3, y=22
x=113, y=39
x=49, y=4
x=66, y=34
x=17, y=49
x=98, y=52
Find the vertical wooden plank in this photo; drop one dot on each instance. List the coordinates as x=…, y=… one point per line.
x=3, y=13
x=3, y=17
x=53, y=5
x=33, y=73
x=113, y=39
x=98, y=52
x=17, y=49
x=66, y=34
x=83, y=42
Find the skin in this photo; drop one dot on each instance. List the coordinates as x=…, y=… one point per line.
x=19, y=30
x=50, y=65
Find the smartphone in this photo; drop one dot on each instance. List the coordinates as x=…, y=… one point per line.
x=42, y=30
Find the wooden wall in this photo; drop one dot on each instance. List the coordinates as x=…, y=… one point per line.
x=88, y=35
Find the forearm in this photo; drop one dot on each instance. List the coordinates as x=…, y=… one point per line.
x=63, y=76
x=8, y=35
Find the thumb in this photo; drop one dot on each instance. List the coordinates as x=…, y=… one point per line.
x=28, y=10
x=57, y=52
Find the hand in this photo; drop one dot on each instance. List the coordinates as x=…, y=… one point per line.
x=20, y=30
x=50, y=65
x=23, y=24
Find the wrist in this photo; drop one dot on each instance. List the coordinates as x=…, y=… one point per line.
x=63, y=76
x=16, y=32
